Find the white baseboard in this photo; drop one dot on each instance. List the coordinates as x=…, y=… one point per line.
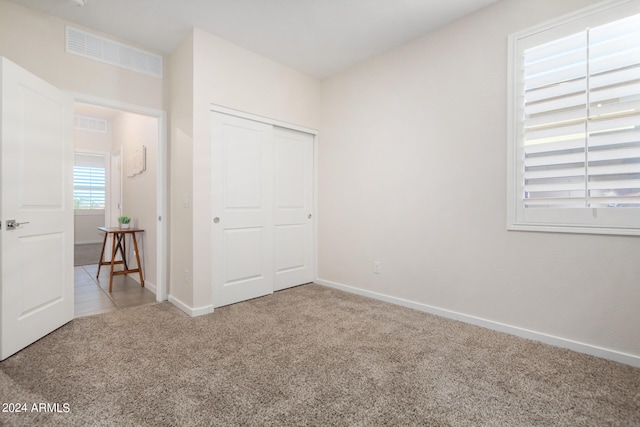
x=628, y=359
x=193, y=312
x=87, y=242
x=147, y=284
x=151, y=286
x=136, y=278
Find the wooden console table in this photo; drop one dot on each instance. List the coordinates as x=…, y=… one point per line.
x=118, y=244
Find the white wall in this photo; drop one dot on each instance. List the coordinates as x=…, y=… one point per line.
x=90, y=142
x=86, y=227
x=412, y=161
x=139, y=192
x=181, y=174
x=228, y=75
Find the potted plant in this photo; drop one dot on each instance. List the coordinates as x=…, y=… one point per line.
x=124, y=221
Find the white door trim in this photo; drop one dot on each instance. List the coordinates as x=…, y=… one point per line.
x=162, y=232
x=261, y=119
x=243, y=114
x=118, y=151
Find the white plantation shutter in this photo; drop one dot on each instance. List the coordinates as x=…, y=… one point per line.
x=89, y=182
x=582, y=119
x=555, y=108
x=575, y=88
x=613, y=153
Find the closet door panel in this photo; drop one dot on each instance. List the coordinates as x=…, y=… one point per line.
x=242, y=206
x=293, y=208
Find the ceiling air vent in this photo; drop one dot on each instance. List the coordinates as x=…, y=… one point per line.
x=89, y=123
x=101, y=49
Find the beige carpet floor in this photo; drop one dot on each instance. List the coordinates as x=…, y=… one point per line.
x=310, y=355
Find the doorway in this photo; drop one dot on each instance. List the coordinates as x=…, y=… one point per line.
x=36, y=140
x=131, y=141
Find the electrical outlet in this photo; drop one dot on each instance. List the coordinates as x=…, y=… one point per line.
x=376, y=267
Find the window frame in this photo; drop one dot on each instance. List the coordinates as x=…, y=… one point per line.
x=617, y=221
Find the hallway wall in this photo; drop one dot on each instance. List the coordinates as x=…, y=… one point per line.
x=139, y=192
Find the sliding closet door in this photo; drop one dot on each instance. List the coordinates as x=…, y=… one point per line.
x=293, y=208
x=262, y=206
x=242, y=207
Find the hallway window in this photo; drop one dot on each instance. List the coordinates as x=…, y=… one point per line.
x=89, y=182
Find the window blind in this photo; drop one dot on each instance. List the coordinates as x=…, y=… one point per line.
x=88, y=187
x=89, y=181
x=582, y=119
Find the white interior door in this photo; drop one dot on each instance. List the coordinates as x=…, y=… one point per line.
x=293, y=208
x=36, y=259
x=242, y=207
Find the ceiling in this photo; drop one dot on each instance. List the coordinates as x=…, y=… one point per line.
x=318, y=37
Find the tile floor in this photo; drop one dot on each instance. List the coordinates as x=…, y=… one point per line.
x=92, y=294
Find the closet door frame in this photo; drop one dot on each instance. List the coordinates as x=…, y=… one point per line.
x=277, y=123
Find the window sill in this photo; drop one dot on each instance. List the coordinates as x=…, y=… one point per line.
x=558, y=228
x=88, y=212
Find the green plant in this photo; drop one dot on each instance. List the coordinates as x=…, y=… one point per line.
x=124, y=219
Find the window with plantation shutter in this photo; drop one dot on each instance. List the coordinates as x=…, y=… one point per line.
x=89, y=182
x=574, y=140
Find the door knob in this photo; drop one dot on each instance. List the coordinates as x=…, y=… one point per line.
x=216, y=220
x=12, y=224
